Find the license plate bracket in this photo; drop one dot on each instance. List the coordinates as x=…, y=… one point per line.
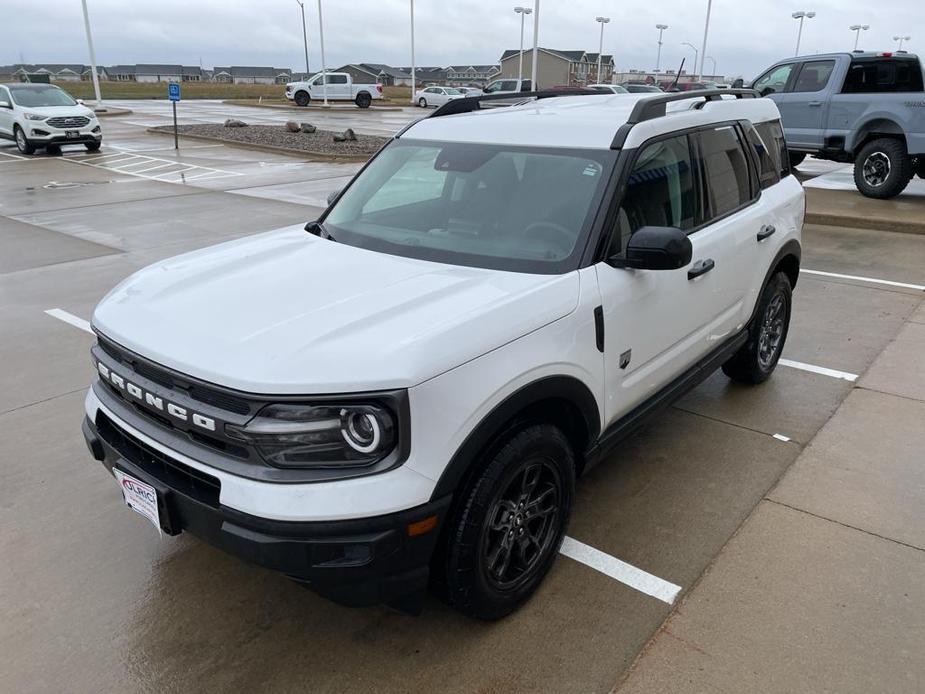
x=71, y=134
x=160, y=507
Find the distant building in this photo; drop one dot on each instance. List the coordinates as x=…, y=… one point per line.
x=559, y=68
x=60, y=72
x=471, y=75
x=158, y=73
x=427, y=75
x=652, y=77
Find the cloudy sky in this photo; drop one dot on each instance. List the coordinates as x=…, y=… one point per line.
x=745, y=35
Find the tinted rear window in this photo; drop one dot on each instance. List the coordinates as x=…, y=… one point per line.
x=878, y=75
x=726, y=169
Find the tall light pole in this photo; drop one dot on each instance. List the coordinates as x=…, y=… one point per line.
x=600, y=50
x=658, y=58
x=536, y=31
x=304, y=36
x=703, y=49
x=801, y=15
x=713, y=60
x=523, y=12
x=895, y=38
x=412, y=51
x=857, y=29
x=694, y=48
x=96, y=78
x=324, y=69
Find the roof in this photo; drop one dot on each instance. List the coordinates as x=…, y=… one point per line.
x=154, y=69
x=571, y=56
x=592, y=58
x=383, y=69
x=582, y=121
x=254, y=71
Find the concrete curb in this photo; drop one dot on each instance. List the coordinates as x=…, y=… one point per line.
x=301, y=109
x=301, y=154
x=851, y=209
x=109, y=112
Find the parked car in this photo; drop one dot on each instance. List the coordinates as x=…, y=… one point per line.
x=457, y=338
x=506, y=86
x=612, y=88
x=340, y=87
x=470, y=91
x=670, y=86
x=436, y=96
x=637, y=88
x=866, y=108
x=39, y=116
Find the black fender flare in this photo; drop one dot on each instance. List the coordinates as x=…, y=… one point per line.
x=791, y=249
x=566, y=388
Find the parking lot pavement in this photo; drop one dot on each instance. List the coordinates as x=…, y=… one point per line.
x=95, y=600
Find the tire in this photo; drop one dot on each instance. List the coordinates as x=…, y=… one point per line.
x=302, y=98
x=920, y=166
x=363, y=100
x=757, y=358
x=883, y=168
x=53, y=150
x=496, y=554
x=796, y=158
x=22, y=144
x=93, y=146
x=422, y=102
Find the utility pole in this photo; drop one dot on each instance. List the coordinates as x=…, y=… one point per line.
x=703, y=49
x=523, y=12
x=412, y=52
x=96, y=78
x=658, y=58
x=304, y=36
x=536, y=31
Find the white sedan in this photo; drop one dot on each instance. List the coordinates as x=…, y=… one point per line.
x=612, y=88
x=436, y=96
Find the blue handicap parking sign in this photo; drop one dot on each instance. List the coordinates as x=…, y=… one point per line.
x=173, y=91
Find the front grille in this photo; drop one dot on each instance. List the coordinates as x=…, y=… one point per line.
x=68, y=121
x=164, y=377
x=176, y=475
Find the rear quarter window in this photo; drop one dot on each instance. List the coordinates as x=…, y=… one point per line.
x=883, y=75
x=772, y=135
x=768, y=169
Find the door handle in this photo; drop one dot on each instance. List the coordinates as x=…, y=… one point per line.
x=814, y=104
x=701, y=267
x=766, y=231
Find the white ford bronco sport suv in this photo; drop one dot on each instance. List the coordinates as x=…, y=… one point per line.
x=406, y=394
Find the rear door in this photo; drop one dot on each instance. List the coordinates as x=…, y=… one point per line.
x=804, y=107
x=338, y=88
x=6, y=114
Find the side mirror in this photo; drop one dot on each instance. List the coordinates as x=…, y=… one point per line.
x=80, y=101
x=738, y=84
x=5, y=104
x=656, y=248
x=332, y=196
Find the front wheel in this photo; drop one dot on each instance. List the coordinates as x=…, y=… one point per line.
x=422, y=102
x=93, y=146
x=363, y=100
x=757, y=358
x=505, y=536
x=883, y=168
x=302, y=98
x=920, y=166
x=23, y=144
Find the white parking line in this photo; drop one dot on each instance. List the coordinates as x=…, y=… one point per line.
x=125, y=162
x=70, y=318
x=834, y=373
x=13, y=157
x=873, y=280
x=628, y=574
x=781, y=437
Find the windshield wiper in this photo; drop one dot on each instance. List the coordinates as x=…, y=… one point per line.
x=317, y=228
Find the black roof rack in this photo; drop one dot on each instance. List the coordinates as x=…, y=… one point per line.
x=655, y=106
x=473, y=103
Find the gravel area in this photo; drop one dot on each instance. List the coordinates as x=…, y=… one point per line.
x=321, y=141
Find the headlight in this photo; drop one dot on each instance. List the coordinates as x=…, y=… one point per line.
x=319, y=436
x=34, y=116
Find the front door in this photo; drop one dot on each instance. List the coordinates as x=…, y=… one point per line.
x=6, y=114
x=804, y=108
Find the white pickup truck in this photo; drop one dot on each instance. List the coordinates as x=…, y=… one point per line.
x=340, y=87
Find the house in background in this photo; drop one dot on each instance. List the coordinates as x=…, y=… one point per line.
x=191, y=73
x=427, y=75
x=59, y=72
x=559, y=68
x=466, y=75
x=158, y=73
x=255, y=74
x=221, y=74
x=121, y=73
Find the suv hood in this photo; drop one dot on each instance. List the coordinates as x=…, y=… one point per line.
x=290, y=313
x=52, y=111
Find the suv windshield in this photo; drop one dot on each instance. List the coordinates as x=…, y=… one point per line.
x=508, y=208
x=34, y=97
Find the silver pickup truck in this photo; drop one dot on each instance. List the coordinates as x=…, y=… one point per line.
x=866, y=108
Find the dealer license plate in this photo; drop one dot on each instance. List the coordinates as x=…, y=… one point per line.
x=140, y=497
x=72, y=134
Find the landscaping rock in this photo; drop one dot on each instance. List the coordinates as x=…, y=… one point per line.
x=292, y=126
x=347, y=136
x=235, y=123
x=307, y=128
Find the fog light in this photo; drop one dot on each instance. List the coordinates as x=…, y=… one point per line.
x=40, y=133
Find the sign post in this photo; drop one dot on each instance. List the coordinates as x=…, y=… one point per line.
x=173, y=93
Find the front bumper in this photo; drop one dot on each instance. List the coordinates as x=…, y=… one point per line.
x=353, y=562
x=57, y=137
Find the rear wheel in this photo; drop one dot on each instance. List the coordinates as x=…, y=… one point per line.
x=363, y=100
x=883, y=168
x=757, y=358
x=422, y=102
x=93, y=146
x=302, y=98
x=507, y=532
x=796, y=158
x=22, y=144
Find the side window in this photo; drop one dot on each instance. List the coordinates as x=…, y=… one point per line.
x=660, y=191
x=526, y=86
x=774, y=80
x=509, y=86
x=768, y=169
x=878, y=75
x=725, y=170
x=493, y=87
x=814, y=75
x=337, y=79
x=772, y=134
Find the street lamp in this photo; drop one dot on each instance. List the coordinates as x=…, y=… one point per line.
x=703, y=50
x=895, y=38
x=801, y=15
x=523, y=12
x=412, y=51
x=658, y=58
x=96, y=79
x=695, y=55
x=857, y=29
x=304, y=36
x=324, y=69
x=713, y=60
x=536, y=31
x=600, y=50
